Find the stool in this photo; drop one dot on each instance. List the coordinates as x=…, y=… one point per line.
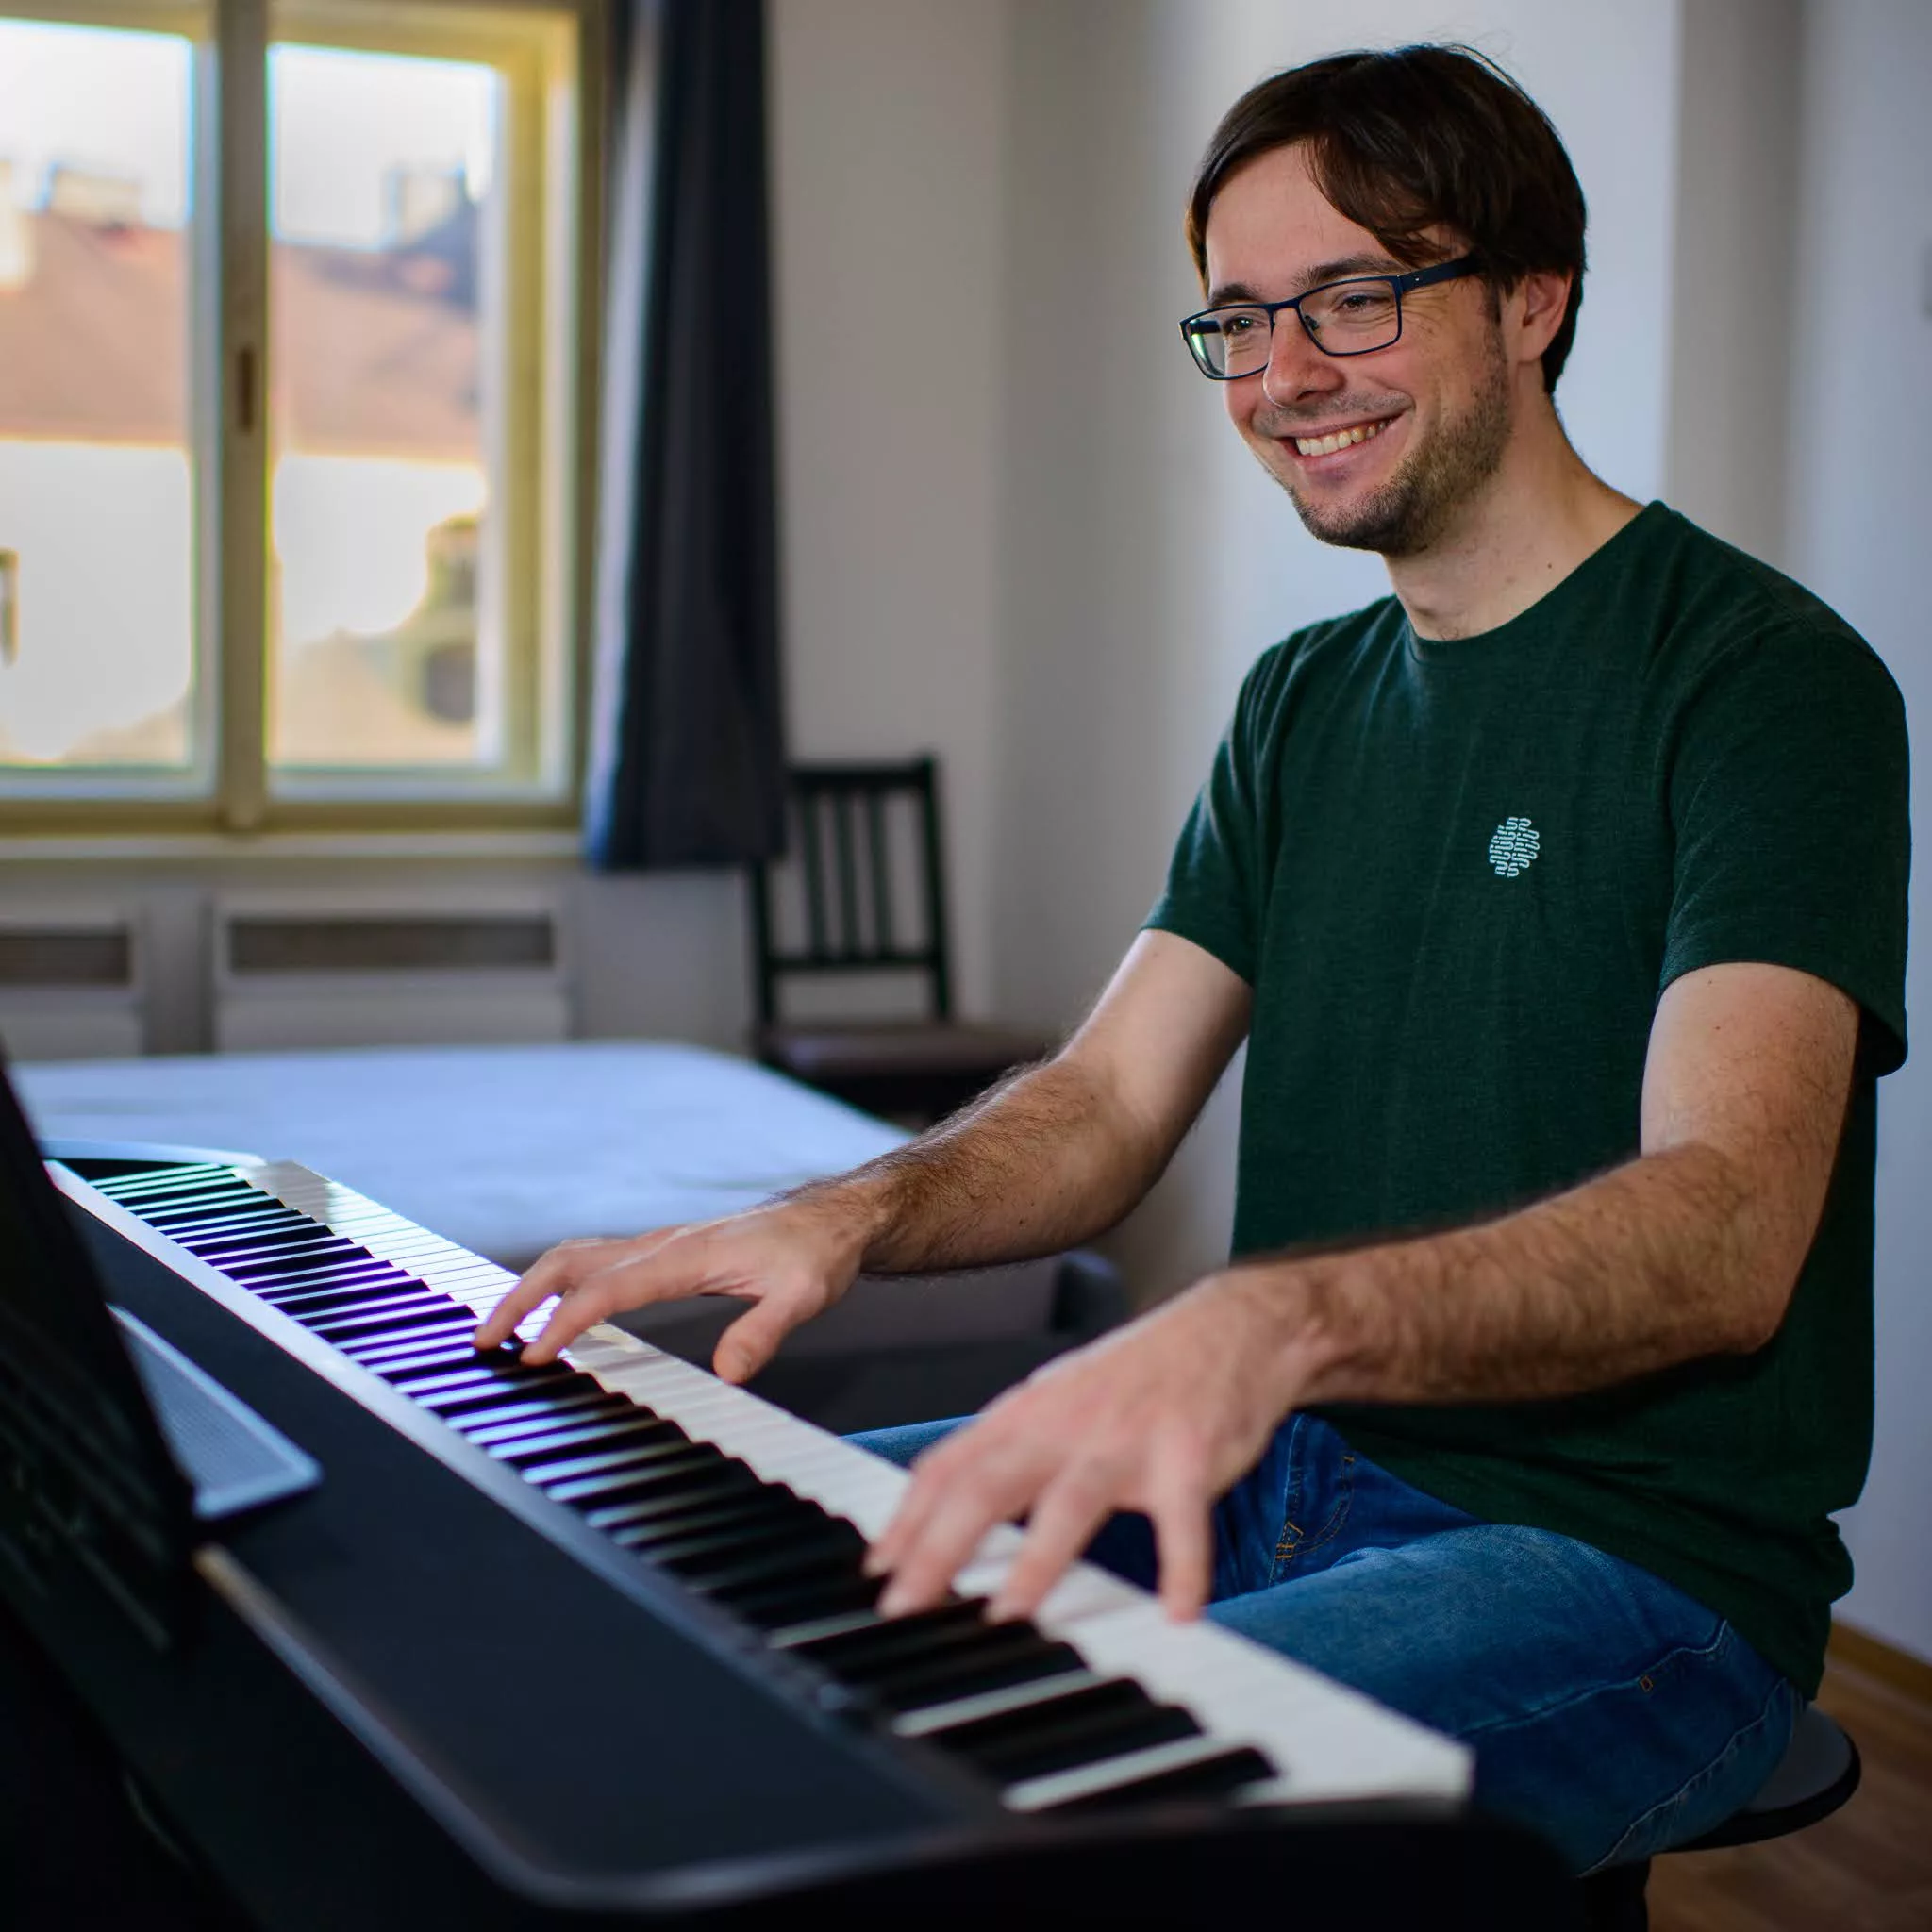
x=1818, y=1773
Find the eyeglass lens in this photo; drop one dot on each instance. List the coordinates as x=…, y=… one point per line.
x=1345, y=318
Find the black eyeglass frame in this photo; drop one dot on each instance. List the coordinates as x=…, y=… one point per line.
x=1401, y=284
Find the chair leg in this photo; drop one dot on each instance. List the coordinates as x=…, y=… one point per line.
x=1613, y=1900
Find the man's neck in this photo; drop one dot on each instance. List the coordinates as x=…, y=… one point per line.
x=1535, y=521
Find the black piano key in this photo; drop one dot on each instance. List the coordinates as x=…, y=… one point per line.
x=611, y=1486
x=615, y=1431
x=611, y=1462
x=347, y=1287
x=1047, y=1738
x=162, y=1199
x=448, y=1354
x=330, y=1275
x=787, y=1605
x=303, y=1258
x=744, y=1515
x=442, y=1351
x=711, y=1554
x=297, y=1230
x=889, y=1636
x=404, y=1313
x=1210, y=1778
x=239, y=1252
x=389, y=1350
x=480, y=1372
x=480, y=1412
x=241, y=1212
x=453, y=1392
x=982, y=1736
x=432, y=1314
x=185, y=1208
x=970, y=1671
x=320, y=1307
x=166, y=1180
x=760, y=1570
x=298, y=1252
x=727, y=1482
x=862, y=1663
x=194, y=1231
x=238, y=1228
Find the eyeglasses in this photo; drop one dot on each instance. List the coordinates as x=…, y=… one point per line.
x=1354, y=317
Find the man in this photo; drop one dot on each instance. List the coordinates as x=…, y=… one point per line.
x=1560, y=898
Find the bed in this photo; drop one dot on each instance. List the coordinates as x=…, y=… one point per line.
x=509, y=1149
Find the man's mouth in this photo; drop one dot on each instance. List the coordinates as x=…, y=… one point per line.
x=1339, y=439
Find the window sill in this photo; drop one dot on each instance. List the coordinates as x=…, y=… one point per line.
x=108, y=848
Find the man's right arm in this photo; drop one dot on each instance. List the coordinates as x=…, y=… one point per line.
x=1056, y=1155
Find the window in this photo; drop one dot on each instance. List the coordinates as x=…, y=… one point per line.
x=291, y=380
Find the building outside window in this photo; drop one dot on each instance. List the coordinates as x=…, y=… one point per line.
x=292, y=368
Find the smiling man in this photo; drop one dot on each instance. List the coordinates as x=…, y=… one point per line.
x=1560, y=898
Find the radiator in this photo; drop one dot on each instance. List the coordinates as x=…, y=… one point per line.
x=72, y=982
x=422, y=970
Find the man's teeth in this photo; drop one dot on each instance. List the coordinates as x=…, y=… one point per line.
x=1327, y=446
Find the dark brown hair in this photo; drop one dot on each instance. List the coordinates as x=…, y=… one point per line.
x=1403, y=140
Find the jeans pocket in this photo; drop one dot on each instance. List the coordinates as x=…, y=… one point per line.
x=1296, y=1544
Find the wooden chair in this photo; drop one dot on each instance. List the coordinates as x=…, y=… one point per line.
x=1819, y=1770
x=864, y=892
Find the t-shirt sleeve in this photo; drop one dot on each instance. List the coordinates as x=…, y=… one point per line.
x=1789, y=802
x=1217, y=878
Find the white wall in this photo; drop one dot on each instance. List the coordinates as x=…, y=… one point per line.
x=1738, y=122
x=1148, y=560
x=888, y=167
x=1861, y=487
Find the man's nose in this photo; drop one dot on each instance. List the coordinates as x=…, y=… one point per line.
x=1295, y=367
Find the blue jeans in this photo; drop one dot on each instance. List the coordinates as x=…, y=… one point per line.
x=1605, y=1708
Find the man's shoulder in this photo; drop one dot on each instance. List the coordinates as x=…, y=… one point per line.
x=1737, y=597
x=1332, y=645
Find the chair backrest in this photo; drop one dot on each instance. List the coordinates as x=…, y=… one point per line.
x=853, y=854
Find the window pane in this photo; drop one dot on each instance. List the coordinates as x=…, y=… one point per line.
x=96, y=473
x=385, y=649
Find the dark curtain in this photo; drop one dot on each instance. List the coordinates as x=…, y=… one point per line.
x=687, y=752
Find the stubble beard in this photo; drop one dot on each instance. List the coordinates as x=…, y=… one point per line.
x=1408, y=514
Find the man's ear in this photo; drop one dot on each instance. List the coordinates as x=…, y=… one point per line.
x=1534, y=309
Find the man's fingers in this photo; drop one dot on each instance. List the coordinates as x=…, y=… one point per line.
x=626, y=1284
x=1184, y=1546
x=930, y=1475
x=944, y=1541
x=573, y=1313
x=547, y=1275
x=753, y=1339
x=1062, y=1525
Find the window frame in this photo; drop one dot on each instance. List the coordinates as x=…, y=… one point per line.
x=551, y=53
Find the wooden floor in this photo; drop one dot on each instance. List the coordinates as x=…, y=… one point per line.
x=1866, y=1869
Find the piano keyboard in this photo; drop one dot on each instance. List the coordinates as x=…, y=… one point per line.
x=1099, y=1701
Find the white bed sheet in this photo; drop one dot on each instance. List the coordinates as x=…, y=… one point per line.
x=508, y=1150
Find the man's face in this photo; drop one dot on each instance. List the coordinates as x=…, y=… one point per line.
x=1425, y=423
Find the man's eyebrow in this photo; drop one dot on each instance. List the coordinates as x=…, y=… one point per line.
x=1222, y=294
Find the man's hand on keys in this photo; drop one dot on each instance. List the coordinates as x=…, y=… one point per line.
x=792, y=1260
x=1161, y=1416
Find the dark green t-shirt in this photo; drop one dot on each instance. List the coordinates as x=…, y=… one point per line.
x=1458, y=877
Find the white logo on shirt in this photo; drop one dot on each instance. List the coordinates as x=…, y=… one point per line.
x=1514, y=847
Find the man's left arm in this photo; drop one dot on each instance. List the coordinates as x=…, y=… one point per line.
x=1690, y=1249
